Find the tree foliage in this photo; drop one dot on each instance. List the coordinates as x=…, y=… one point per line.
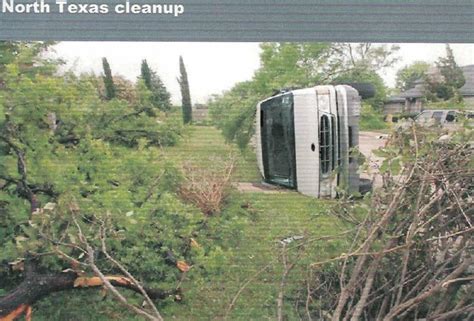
x=446, y=83
x=160, y=97
x=362, y=57
x=297, y=65
x=110, y=90
x=357, y=75
x=185, y=93
x=126, y=90
x=290, y=65
x=409, y=75
x=73, y=165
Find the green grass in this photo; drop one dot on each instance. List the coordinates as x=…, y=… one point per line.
x=272, y=217
x=277, y=217
x=247, y=233
x=371, y=119
x=204, y=145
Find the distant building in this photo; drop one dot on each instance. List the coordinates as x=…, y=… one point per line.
x=200, y=112
x=411, y=101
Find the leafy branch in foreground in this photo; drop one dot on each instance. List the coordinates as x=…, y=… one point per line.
x=74, y=248
x=64, y=150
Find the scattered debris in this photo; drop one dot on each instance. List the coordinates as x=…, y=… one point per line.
x=291, y=239
x=183, y=266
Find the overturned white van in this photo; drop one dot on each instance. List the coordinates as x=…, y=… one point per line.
x=305, y=138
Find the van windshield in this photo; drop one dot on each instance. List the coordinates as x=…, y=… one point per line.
x=278, y=140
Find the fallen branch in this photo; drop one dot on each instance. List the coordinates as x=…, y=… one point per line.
x=242, y=288
x=287, y=268
x=412, y=257
x=37, y=286
x=108, y=284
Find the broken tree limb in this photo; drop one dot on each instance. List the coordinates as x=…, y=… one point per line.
x=37, y=286
x=154, y=315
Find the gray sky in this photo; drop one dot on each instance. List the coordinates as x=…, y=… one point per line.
x=212, y=67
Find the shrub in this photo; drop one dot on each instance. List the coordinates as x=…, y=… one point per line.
x=370, y=119
x=207, y=188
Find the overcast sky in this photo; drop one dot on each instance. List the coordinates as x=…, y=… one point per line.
x=212, y=67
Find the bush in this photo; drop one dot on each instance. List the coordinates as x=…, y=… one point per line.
x=207, y=188
x=371, y=119
x=400, y=116
x=94, y=163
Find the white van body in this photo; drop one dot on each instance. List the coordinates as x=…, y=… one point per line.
x=304, y=138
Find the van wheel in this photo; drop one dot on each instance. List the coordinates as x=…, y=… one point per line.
x=365, y=185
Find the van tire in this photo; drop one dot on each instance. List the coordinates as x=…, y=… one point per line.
x=365, y=185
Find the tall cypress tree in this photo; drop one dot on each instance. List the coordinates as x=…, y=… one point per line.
x=185, y=95
x=146, y=74
x=110, y=91
x=161, y=98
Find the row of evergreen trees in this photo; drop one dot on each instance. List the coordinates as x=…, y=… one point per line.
x=160, y=97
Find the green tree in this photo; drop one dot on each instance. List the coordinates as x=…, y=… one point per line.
x=290, y=65
x=296, y=65
x=450, y=70
x=76, y=170
x=446, y=85
x=185, y=94
x=145, y=74
x=160, y=97
x=366, y=76
x=110, y=90
x=26, y=55
x=367, y=57
x=362, y=63
x=8, y=52
x=234, y=112
x=283, y=66
x=409, y=75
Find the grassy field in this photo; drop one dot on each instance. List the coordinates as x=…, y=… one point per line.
x=204, y=145
x=247, y=251
x=253, y=253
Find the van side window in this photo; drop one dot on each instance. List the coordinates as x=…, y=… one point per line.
x=437, y=116
x=324, y=144
x=423, y=117
x=451, y=117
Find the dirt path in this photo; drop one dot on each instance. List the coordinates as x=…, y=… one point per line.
x=368, y=142
x=259, y=188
